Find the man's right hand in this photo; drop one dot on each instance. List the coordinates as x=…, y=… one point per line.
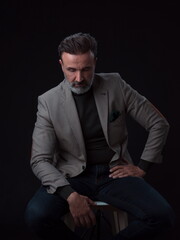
x=80, y=208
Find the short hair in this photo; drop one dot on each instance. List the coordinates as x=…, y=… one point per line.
x=78, y=43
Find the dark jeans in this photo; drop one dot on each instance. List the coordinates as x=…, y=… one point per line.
x=151, y=212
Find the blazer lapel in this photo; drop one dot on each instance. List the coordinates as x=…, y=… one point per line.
x=73, y=119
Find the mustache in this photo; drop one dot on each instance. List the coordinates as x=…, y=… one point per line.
x=82, y=83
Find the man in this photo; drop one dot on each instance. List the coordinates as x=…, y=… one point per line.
x=79, y=149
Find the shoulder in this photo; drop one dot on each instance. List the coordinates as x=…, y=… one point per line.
x=54, y=92
x=111, y=80
x=108, y=76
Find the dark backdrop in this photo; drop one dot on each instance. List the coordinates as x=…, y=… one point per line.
x=140, y=42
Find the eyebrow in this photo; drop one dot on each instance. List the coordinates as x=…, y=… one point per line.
x=87, y=67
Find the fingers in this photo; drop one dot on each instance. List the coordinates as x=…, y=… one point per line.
x=90, y=202
x=90, y=219
x=81, y=210
x=87, y=220
x=118, y=167
x=77, y=221
x=119, y=174
x=118, y=171
x=125, y=171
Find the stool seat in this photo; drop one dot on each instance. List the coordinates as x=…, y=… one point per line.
x=99, y=203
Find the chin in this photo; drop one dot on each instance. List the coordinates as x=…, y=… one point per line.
x=80, y=90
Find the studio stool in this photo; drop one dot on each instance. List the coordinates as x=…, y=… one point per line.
x=115, y=218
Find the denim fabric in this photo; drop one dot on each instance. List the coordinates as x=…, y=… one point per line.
x=151, y=212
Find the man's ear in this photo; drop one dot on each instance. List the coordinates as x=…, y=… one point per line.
x=60, y=62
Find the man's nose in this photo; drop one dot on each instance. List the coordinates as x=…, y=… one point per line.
x=79, y=77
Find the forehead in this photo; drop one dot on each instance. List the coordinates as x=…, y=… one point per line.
x=78, y=59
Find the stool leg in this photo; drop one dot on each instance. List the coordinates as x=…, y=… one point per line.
x=116, y=223
x=123, y=219
x=120, y=219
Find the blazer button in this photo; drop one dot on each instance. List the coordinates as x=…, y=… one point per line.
x=83, y=167
x=67, y=175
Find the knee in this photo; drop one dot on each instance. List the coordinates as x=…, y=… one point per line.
x=163, y=218
x=34, y=216
x=168, y=217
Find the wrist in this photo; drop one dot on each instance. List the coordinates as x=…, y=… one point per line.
x=142, y=172
x=65, y=191
x=72, y=196
x=145, y=165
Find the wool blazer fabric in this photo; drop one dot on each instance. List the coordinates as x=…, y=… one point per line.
x=58, y=149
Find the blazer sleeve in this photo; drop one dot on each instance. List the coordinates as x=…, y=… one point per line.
x=44, y=144
x=149, y=117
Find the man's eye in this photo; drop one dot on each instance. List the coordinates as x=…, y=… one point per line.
x=86, y=69
x=71, y=70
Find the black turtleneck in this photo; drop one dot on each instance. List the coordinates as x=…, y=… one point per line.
x=97, y=149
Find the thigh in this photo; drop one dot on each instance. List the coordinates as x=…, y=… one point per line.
x=84, y=184
x=134, y=195
x=44, y=205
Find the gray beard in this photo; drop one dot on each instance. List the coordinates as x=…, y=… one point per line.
x=80, y=90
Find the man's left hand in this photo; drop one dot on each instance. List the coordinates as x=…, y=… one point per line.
x=121, y=171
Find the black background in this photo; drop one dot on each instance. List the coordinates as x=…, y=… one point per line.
x=140, y=41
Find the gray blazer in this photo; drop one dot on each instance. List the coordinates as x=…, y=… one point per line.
x=58, y=149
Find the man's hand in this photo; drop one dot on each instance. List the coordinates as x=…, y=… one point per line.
x=121, y=171
x=80, y=208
